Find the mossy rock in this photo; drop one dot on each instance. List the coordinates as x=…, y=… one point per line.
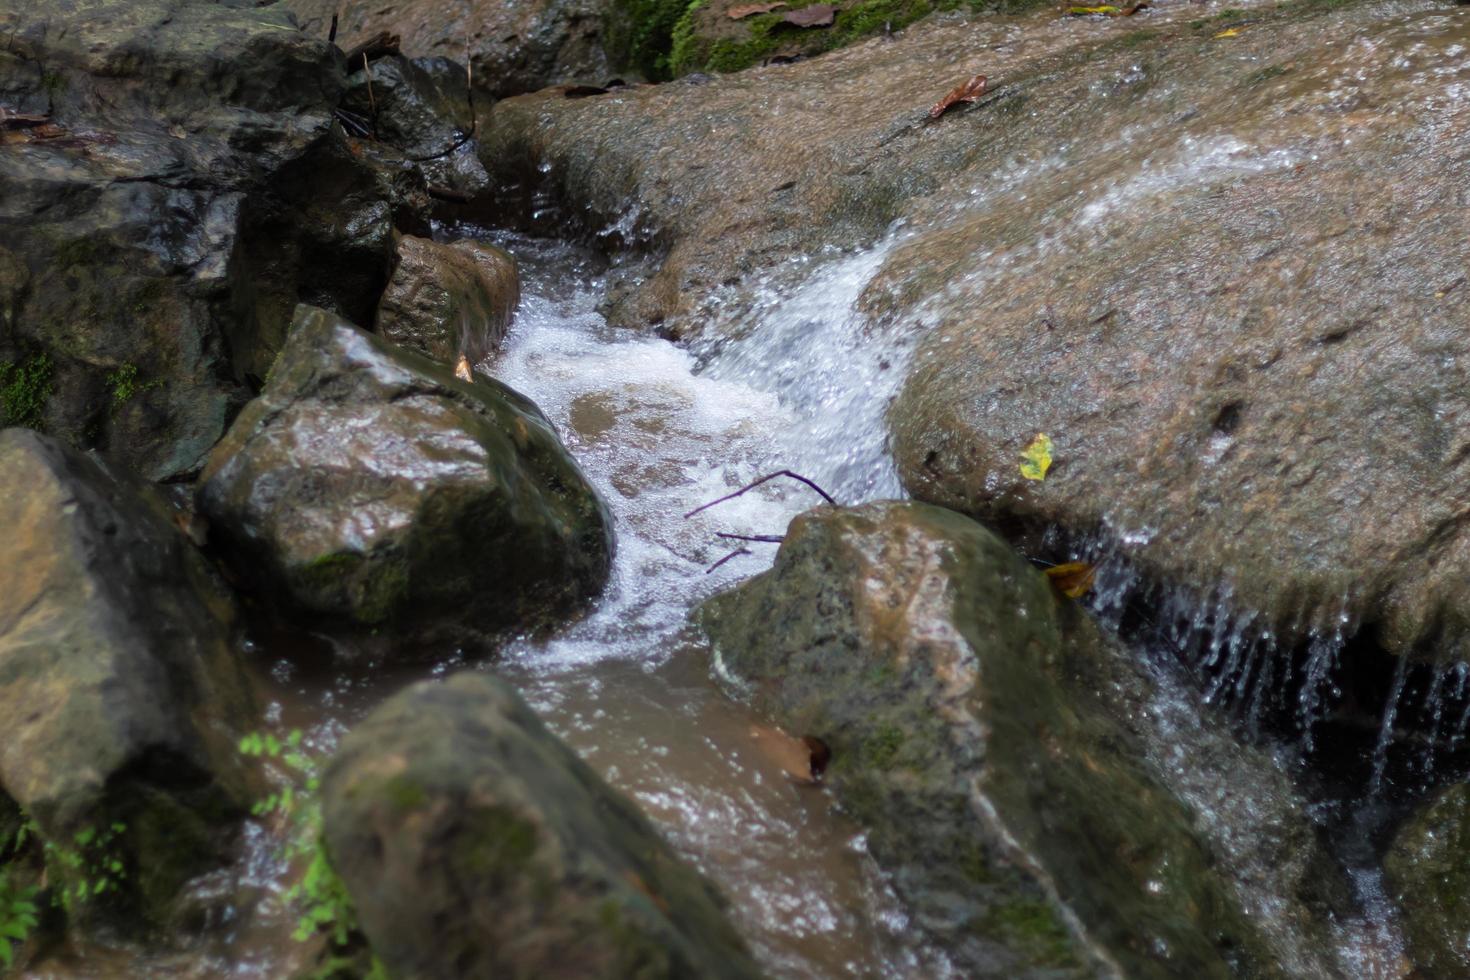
x=369, y=489
x=1428, y=873
x=960, y=701
x=475, y=844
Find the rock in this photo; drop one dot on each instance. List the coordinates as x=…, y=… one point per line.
x=368, y=488
x=121, y=697
x=1173, y=253
x=513, y=48
x=967, y=711
x=422, y=111
x=154, y=242
x=476, y=844
x=1427, y=875
x=448, y=300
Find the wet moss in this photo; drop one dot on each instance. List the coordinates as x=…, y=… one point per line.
x=25, y=387
x=882, y=749
x=1033, y=926
x=499, y=842
x=765, y=35
x=641, y=34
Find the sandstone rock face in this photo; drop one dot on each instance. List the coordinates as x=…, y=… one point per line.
x=976, y=730
x=514, y=47
x=1172, y=252
x=369, y=488
x=475, y=844
x=121, y=698
x=154, y=241
x=448, y=300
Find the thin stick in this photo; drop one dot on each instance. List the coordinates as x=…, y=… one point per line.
x=734, y=554
x=372, y=102
x=751, y=486
x=759, y=538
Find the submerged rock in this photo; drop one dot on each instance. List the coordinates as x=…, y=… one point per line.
x=369, y=488
x=1427, y=874
x=448, y=300
x=121, y=698
x=188, y=190
x=972, y=730
x=475, y=844
x=514, y=48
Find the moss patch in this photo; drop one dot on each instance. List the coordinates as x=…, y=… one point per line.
x=25, y=387
x=1033, y=926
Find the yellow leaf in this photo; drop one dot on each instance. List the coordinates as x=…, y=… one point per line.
x=1084, y=11
x=1036, y=460
x=1229, y=32
x=1072, y=579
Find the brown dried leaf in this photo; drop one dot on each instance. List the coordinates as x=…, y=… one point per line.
x=817, y=15
x=462, y=369
x=1134, y=8
x=1072, y=579
x=751, y=9
x=802, y=759
x=968, y=91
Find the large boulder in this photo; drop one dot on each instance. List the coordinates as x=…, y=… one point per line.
x=445, y=301
x=121, y=696
x=187, y=188
x=983, y=731
x=1427, y=874
x=475, y=844
x=369, y=488
x=513, y=47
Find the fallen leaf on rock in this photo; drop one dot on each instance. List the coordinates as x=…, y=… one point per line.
x=1229, y=32
x=802, y=759
x=1072, y=579
x=1134, y=8
x=967, y=91
x=1036, y=458
x=1107, y=9
x=462, y=369
x=817, y=15
x=751, y=9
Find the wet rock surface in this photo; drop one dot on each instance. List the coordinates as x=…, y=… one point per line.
x=370, y=488
x=120, y=695
x=447, y=300
x=155, y=236
x=476, y=844
x=513, y=48
x=1167, y=243
x=1427, y=874
x=974, y=725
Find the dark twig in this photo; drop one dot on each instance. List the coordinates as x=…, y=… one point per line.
x=332, y=31
x=751, y=486
x=758, y=538
x=734, y=554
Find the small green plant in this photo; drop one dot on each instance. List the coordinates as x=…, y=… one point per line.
x=25, y=387
x=19, y=915
x=87, y=868
x=318, y=894
x=125, y=386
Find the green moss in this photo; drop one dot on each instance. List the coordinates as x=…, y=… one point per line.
x=881, y=750
x=25, y=387
x=499, y=842
x=124, y=385
x=405, y=793
x=640, y=34
x=1032, y=926
x=384, y=593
